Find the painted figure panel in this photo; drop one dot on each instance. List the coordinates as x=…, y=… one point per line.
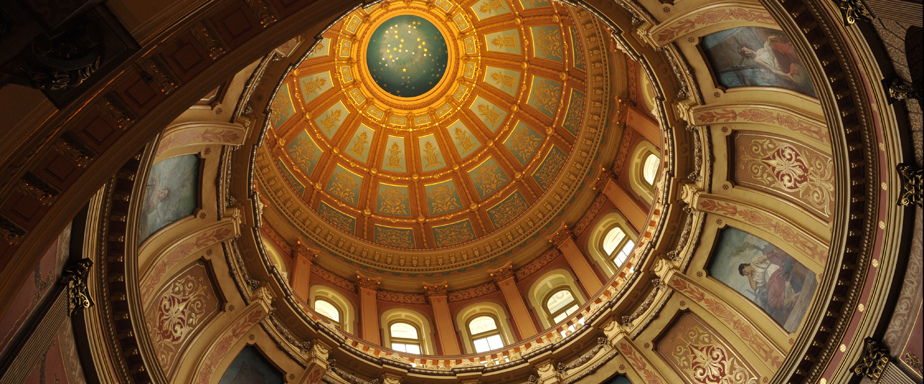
x=252, y=368
x=172, y=193
x=756, y=57
x=765, y=275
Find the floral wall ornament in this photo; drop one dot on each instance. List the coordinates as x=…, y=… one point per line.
x=874, y=361
x=701, y=355
x=75, y=277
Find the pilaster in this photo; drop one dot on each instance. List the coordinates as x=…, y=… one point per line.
x=368, y=304
x=563, y=238
x=505, y=280
x=438, y=297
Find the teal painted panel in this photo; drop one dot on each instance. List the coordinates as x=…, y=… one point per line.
x=320, y=50
x=337, y=218
x=282, y=108
x=455, y=233
x=490, y=115
x=345, y=185
x=314, y=85
x=359, y=144
x=553, y=163
x=528, y=4
x=395, y=159
x=578, y=49
x=395, y=237
x=508, y=209
x=443, y=197
x=431, y=158
x=393, y=200
x=462, y=137
x=575, y=112
x=523, y=142
x=485, y=9
x=305, y=152
x=544, y=96
x=547, y=42
x=506, y=80
x=503, y=41
x=332, y=119
x=299, y=187
x=488, y=177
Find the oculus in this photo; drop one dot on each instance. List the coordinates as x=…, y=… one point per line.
x=407, y=56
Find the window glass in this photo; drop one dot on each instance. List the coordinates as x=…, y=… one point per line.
x=326, y=309
x=624, y=253
x=482, y=324
x=612, y=239
x=559, y=300
x=650, y=168
x=403, y=331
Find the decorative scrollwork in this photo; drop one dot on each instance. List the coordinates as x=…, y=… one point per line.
x=853, y=10
x=911, y=185
x=583, y=359
x=901, y=90
x=348, y=377
x=75, y=277
x=874, y=361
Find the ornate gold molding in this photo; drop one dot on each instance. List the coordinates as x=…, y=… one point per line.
x=561, y=235
x=438, y=289
x=365, y=282
x=853, y=10
x=75, y=277
x=874, y=361
x=911, y=185
x=503, y=273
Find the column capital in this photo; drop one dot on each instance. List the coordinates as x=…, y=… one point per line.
x=562, y=234
x=503, y=273
x=874, y=360
x=365, y=282
x=603, y=177
x=301, y=249
x=438, y=289
x=75, y=278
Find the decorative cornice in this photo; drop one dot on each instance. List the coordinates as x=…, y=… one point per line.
x=301, y=249
x=503, y=273
x=438, y=289
x=365, y=282
x=603, y=177
x=561, y=235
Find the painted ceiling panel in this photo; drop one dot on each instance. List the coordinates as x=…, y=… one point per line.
x=331, y=120
x=394, y=237
x=282, y=107
x=394, y=159
x=393, y=200
x=314, y=85
x=548, y=43
x=431, y=158
x=503, y=79
x=504, y=41
x=488, y=177
x=544, y=96
x=485, y=9
x=508, y=209
x=443, y=198
x=491, y=115
x=575, y=112
x=345, y=185
x=337, y=218
x=455, y=233
x=523, y=142
x=305, y=152
x=465, y=143
x=359, y=145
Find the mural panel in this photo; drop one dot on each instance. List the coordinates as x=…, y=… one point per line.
x=172, y=193
x=503, y=41
x=443, y=197
x=462, y=137
x=393, y=200
x=765, y=275
x=394, y=155
x=282, y=108
x=431, y=157
x=488, y=113
x=252, y=368
x=508, y=209
x=505, y=80
x=359, y=145
x=314, y=85
x=345, y=185
x=489, y=8
x=548, y=43
x=335, y=217
x=395, y=237
x=578, y=48
x=756, y=57
x=488, y=177
x=523, y=142
x=330, y=120
x=455, y=233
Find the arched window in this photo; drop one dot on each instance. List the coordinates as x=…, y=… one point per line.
x=327, y=309
x=560, y=304
x=617, y=245
x=404, y=337
x=485, y=334
x=650, y=169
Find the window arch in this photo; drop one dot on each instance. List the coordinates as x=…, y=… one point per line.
x=611, y=242
x=546, y=287
x=327, y=309
x=407, y=331
x=484, y=322
x=646, y=163
x=324, y=297
x=560, y=304
x=405, y=337
x=485, y=333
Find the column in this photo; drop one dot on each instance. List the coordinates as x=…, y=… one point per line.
x=446, y=331
x=368, y=307
x=564, y=240
x=300, y=277
x=644, y=124
x=624, y=202
x=505, y=280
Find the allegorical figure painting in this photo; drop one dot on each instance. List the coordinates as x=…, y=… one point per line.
x=765, y=274
x=172, y=193
x=756, y=57
x=250, y=367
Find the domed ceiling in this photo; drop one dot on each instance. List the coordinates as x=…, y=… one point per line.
x=417, y=125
